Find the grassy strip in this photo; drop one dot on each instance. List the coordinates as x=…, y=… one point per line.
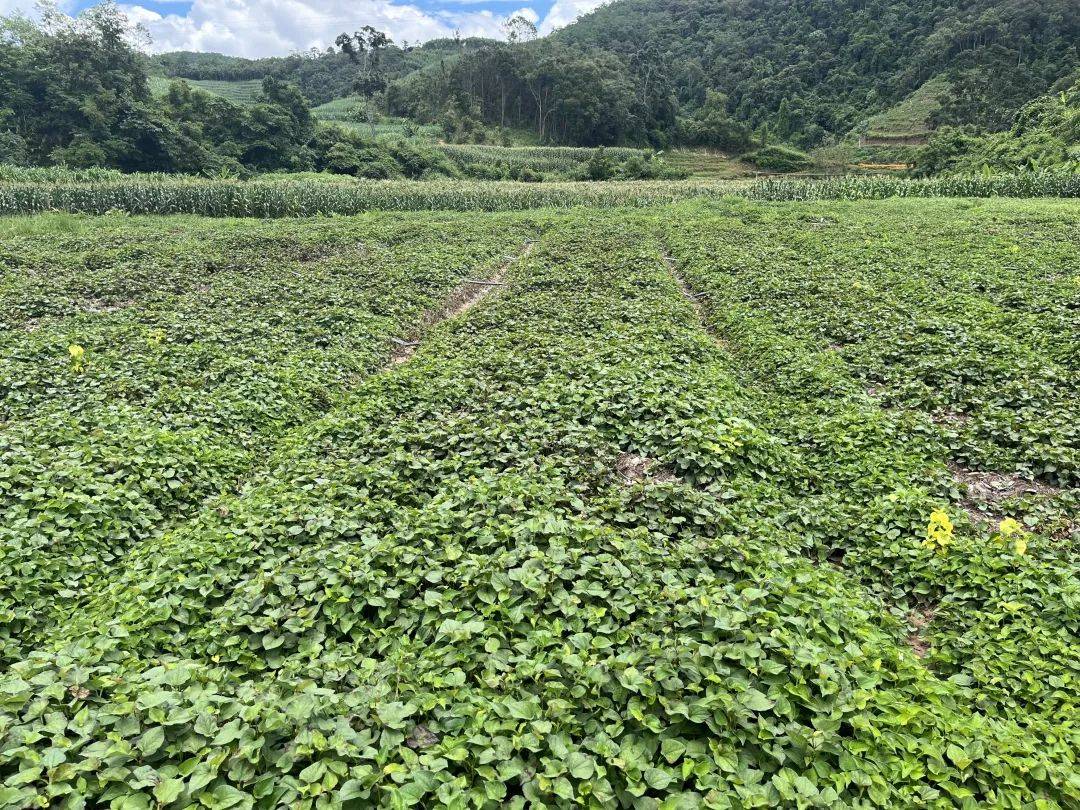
x=443, y=592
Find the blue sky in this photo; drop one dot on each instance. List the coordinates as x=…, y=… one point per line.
x=277, y=27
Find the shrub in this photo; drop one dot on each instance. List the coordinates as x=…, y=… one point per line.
x=600, y=166
x=779, y=159
x=342, y=158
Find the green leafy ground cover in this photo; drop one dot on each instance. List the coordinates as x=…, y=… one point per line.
x=598, y=543
x=146, y=368
x=963, y=344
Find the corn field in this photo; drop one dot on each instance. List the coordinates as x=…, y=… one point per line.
x=1027, y=184
x=100, y=191
x=534, y=158
x=290, y=199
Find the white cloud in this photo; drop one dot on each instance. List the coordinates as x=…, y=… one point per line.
x=9, y=7
x=564, y=12
x=255, y=28
x=528, y=13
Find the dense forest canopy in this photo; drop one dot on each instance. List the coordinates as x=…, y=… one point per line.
x=811, y=67
x=736, y=75
x=712, y=72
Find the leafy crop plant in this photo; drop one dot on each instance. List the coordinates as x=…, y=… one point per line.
x=631, y=532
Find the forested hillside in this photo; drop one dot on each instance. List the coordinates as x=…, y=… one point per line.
x=93, y=108
x=321, y=75
x=733, y=75
x=713, y=73
x=1044, y=135
x=710, y=71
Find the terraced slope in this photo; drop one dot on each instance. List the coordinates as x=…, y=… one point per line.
x=630, y=531
x=911, y=117
x=239, y=92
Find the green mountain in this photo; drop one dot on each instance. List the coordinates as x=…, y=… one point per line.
x=321, y=75
x=717, y=73
x=810, y=67
x=1045, y=134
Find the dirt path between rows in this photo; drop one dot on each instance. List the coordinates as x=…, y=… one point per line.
x=918, y=619
x=690, y=295
x=461, y=299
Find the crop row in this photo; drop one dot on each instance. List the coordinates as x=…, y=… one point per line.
x=142, y=375
x=576, y=551
x=904, y=368
x=543, y=159
x=292, y=198
x=854, y=187
x=969, y=314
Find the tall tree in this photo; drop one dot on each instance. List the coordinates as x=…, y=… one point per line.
x=519, y=29
x=365, y=48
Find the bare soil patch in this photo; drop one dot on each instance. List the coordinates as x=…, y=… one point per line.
x=986, y=491
x=633, y=468
x=99, y=306
x=919, y=619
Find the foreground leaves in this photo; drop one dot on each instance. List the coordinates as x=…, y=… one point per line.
x=445, y=592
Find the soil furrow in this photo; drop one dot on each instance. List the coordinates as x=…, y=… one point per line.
x=465, y=296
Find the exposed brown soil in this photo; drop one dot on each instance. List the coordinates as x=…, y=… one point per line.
x=97, y=306
x=402, y=351
x=690, y=295
x=634, y=468
x=919, y=619
x=461, y=299
x=948, y=416
x=985, y=491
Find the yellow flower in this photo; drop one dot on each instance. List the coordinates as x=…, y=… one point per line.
x=1008, y=527
x=1012, y=529
x=76, y=353
x=939, y=532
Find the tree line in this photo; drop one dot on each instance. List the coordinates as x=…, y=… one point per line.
x=75, y=92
